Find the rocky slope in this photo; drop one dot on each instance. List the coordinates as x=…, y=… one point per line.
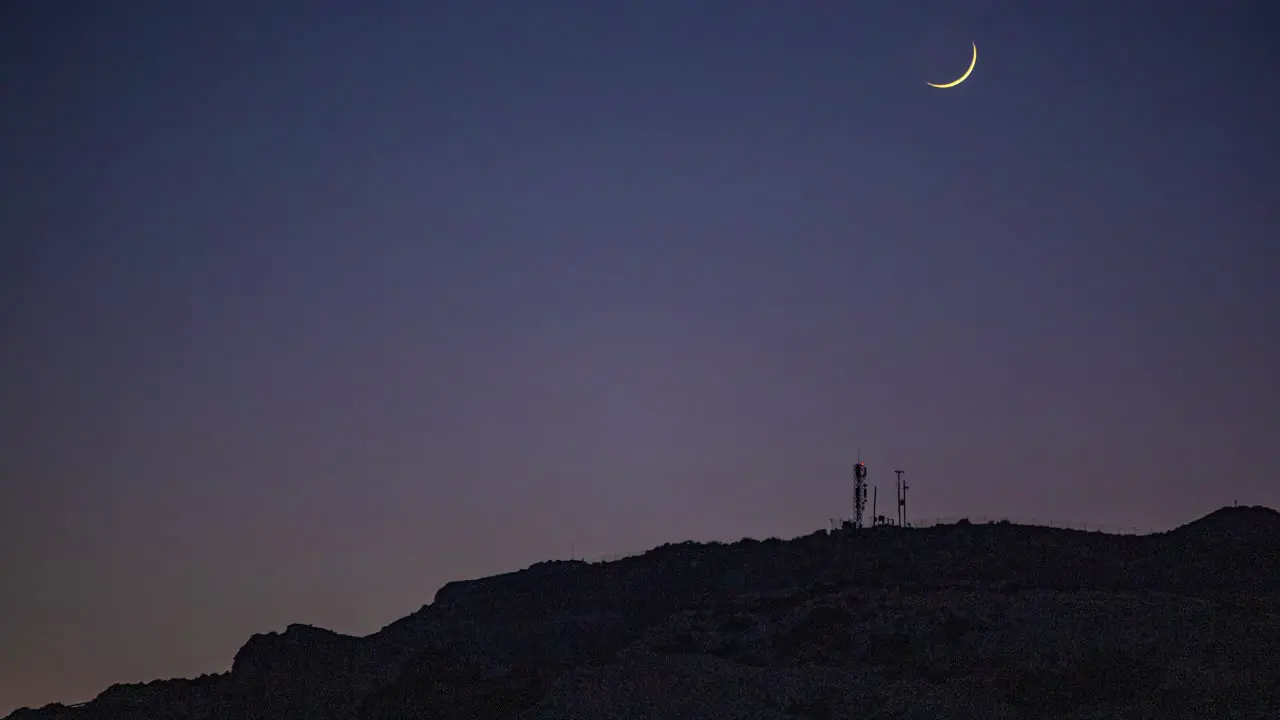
x=958, y=621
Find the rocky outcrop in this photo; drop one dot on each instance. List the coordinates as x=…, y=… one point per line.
x=958, y=621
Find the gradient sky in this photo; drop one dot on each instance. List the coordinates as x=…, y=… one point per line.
x=308, y=308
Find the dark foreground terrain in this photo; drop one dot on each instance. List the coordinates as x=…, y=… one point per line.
x=956, y=621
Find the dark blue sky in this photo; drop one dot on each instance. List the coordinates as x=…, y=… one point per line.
x=310, y=307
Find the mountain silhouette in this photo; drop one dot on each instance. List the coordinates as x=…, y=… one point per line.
x=952, y=621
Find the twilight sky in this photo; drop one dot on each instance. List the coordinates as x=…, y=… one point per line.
x=309, y=307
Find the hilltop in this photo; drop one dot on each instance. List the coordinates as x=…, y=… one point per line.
x=954, y=621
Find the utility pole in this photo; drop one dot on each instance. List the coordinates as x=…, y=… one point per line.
x=902, y=500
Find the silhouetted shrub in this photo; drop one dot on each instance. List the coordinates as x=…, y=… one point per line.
x=891, y=650
x=817, y=707
x=820, y=589
x=955, y=627
x=738, y=623
x=776, y=607
x=1101, y=678
x=829, y=617
x=681, y=643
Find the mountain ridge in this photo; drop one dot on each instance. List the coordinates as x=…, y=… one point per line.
x=899, y=612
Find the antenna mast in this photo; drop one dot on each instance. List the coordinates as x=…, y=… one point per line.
x=875, y=491
x=859, y=491
x=902, y=500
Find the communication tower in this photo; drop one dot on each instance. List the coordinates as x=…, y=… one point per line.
x=859, y=492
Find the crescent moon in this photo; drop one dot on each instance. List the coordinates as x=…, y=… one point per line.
x=961, y=79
